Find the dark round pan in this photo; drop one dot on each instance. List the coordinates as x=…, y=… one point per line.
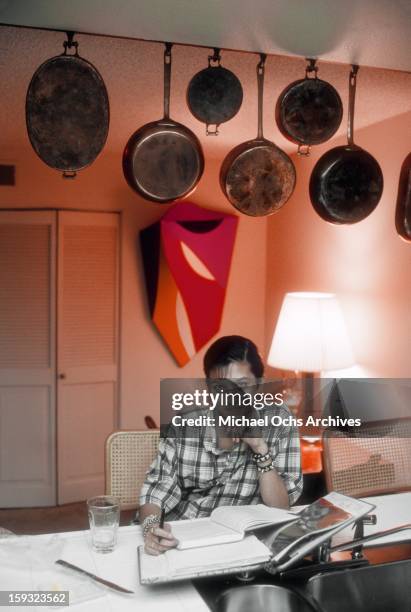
x=67, y=112
x=309, y=111
x=163, y=160
x=214, y=95
x=256, y=176
x=403, y=207
x=346, y=183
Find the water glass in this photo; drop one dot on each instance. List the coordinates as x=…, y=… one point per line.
x=104, y=518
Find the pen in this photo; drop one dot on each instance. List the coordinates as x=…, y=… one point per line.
x=161, y=524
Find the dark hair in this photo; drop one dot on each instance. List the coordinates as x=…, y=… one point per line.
x=227, y=349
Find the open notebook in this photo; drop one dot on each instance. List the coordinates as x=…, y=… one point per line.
x=284, y=547
x=179, y=564
x=227, y=524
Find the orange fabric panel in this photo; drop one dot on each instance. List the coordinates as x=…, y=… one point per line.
x=311, y=456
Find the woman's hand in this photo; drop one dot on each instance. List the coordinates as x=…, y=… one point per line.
x=257, y=445
x=159, y=540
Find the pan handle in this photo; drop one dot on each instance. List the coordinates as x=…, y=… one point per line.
x=212, y=132
x=69, y=174
x=351, y=103
x=260, y=83
x=167, y=79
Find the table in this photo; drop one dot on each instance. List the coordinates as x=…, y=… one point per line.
x=121, y=566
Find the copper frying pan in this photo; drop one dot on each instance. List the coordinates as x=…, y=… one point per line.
x=67, y=111
x=256, y=176
x=215, y=94
x=309, y=111
x=163, y=160
x=347, y=182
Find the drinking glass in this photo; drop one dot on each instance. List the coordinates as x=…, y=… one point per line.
x=104, y=518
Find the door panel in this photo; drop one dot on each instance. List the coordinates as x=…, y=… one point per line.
x=87, y=418
x=25, y=295
x=87, y=298
x=32, y=466
x=87, y=349
x=27, y=358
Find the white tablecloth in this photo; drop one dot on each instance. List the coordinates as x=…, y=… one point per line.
x=119, y=566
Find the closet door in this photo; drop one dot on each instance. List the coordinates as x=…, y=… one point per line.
x=27, y=359
x=87, y=349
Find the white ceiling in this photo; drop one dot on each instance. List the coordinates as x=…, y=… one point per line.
x=368, y=32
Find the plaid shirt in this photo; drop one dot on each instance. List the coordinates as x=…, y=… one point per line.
x=191, y=476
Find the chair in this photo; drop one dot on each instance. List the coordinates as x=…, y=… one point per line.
x=373, y=461
x=128, y=457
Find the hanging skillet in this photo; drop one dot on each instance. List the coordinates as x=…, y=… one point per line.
x=309, y=111
x=403, y=207
x=256, y=176
x=214, y=95
x=346, y=183
x=67, y=111
x=163, y=160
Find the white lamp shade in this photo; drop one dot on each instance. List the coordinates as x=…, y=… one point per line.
x=310, y=335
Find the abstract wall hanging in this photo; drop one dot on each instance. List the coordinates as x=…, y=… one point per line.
x=186, y=259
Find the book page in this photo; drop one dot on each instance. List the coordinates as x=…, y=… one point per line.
x=202, y=532
x=152, y=568
x=244, y=518
x=248, y=551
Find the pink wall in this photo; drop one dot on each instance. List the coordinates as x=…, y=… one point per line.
x=301, y=252
x=133, y=75
x=367, y=265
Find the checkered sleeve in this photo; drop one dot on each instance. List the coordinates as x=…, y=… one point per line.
x=287, y=460
x=161, y=484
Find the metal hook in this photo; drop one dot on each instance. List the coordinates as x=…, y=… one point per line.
x=261, y=64
x=70, y=36
x=354, y=70
x=312, y=66
x=167, y=52
x=216, y=57
x=67, y=44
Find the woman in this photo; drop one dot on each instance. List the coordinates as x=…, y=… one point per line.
x=192, y=476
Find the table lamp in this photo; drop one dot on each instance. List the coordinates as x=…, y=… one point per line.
x=310, y=337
